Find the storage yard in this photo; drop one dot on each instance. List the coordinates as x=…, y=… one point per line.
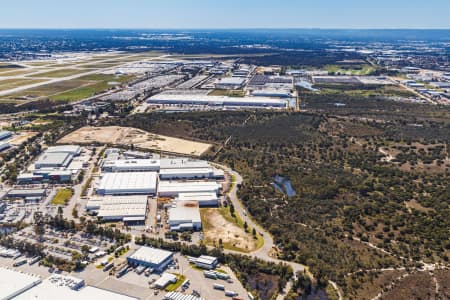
x=125, y=136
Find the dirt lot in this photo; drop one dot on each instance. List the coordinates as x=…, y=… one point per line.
x=131, y=136
x=22, y=137
x=216, y=227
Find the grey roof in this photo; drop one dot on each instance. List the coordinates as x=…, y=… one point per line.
x=54, y=158
x=151, y=255
x=128, y=181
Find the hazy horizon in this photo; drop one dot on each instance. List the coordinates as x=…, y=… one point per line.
x=232, y=14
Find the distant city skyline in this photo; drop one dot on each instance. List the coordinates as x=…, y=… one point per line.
x=233, y=14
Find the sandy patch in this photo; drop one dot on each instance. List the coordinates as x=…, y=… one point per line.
x=131, y=136
x=22, y=137
x=216, y=227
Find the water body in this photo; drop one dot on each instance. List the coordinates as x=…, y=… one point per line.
x=284, y=185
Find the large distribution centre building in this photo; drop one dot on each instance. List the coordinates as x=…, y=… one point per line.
x=5, y=134
x=56, y=164
x=128, y=183
x=13, y=283
x=125, y=185
x=131, y=165
x=174, y=188
x=53, y=160
x=203, y=199
x=154, y=258
x=21, y=286
x=165, y=98
x=183, y=163
x=195, y=173
x=71, y=149
x=120, y=208
x=4, y=137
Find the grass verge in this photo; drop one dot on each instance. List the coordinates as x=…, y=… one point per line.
x=173, y=286
x=62, y=197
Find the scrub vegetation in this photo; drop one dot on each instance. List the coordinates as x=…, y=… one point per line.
x=354, y=210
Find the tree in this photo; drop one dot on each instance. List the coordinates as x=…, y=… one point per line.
x=232, y=209
x=39, y=224
x=74, y=213
x=85, y=250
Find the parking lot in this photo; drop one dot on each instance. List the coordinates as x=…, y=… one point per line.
x=197, y=281
x=62, y=244
x=140, y=285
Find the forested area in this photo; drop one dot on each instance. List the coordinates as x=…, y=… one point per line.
x=346, y=194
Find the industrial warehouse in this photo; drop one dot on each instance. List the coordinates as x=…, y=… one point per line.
x=127, y=187
x=57, y=164
x=128, y=183
x=18, y=285
x=185, y=216
x=156, y=259
x=168, y=98
x=128, y=209
x=4, y=140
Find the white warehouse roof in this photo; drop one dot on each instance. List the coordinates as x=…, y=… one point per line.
x=151, y=255
x=183, y=163
x=165, y=279
x=72, y=149
x=180, y=296
x=217, y=100
x=128, y=183
x=201, y=198
x=185, y=212
x=14, y=282
x=132, y=165
x=122, y=207
x=50, y=291
x=176, y=187
x=5, y=134
x=186, y=173
x=53, y=159
x=230, y=81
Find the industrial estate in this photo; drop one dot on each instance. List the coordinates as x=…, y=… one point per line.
x=258, y=172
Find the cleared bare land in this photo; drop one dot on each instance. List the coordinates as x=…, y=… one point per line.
x=22, y=138
x=126, y=136
x=216, y=227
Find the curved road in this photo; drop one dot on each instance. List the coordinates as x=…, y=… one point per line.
x=263, y=252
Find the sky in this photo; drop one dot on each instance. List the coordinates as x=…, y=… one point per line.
x=225, y=14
